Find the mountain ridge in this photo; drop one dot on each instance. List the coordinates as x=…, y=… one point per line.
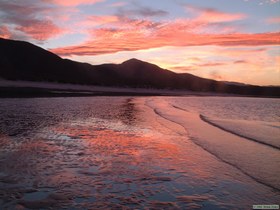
x=21, y=60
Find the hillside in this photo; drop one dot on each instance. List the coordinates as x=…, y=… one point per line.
x=24, y=61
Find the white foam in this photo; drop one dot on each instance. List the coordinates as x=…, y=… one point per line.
x=262, y=132
x=260, y=162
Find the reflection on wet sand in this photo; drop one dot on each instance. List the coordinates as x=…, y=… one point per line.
x=128, y=112
x=132, y=159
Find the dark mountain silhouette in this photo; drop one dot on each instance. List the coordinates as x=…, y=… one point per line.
x=24, y=61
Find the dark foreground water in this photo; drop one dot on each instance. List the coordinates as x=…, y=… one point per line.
x=123, y=153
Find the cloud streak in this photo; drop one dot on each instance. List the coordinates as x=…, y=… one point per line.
x=5, y=33
x=146, y=35
x=72, y=3
x=41, y=30
x=39, y=20
x=273, y=20
x=124, y=32
x=30, y=22
x=141, y=11
x=210, y=15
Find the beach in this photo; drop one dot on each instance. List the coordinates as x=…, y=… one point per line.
x=138, y=153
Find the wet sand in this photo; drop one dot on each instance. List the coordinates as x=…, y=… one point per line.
x=111, y=153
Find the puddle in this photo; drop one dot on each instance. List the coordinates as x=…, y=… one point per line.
x=35, y=196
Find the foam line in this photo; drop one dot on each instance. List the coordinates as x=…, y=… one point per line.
x=255, y=160
x=202, y=117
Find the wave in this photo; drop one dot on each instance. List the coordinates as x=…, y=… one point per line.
x=249, y=133
x=258, y=161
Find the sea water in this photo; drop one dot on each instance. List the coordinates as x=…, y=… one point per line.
x=242, y=132
x=135, y=153
x=254, y=118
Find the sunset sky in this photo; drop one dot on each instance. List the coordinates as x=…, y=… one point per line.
x=232, y=40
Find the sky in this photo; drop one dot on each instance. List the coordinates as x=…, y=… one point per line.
x=228, y=40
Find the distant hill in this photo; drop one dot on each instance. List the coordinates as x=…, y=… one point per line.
x=24, y=61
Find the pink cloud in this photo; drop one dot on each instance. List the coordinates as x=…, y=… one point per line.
x=241, y=62
x=118, y=4
x=272, y=1
x=34, y=22
x=216, y=75
x=5, y=32
x=95, y=20
x=126, y=34
x=215, y=16
x=136, y=24
x=41, y=30
x=182, y=69
x=210, y=15
x=265, y=1
x=200, y=64
x=71, y=3
x=274, y=20
x=196, y=66
x=210, y=64
x=141, y=11
x=138, y=35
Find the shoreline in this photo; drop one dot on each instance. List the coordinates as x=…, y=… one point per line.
x=212, y=140
x=29, y=89
x=28, y=92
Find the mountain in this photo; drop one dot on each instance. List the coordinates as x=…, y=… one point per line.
x=21, y=60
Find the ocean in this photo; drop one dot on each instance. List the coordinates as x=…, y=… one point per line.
x=139, y=152
x=257, y=119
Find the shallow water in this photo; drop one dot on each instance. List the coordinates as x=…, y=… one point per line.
x=254, y=118
x=236, y=108
x=258, y=160
x=111, y=152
